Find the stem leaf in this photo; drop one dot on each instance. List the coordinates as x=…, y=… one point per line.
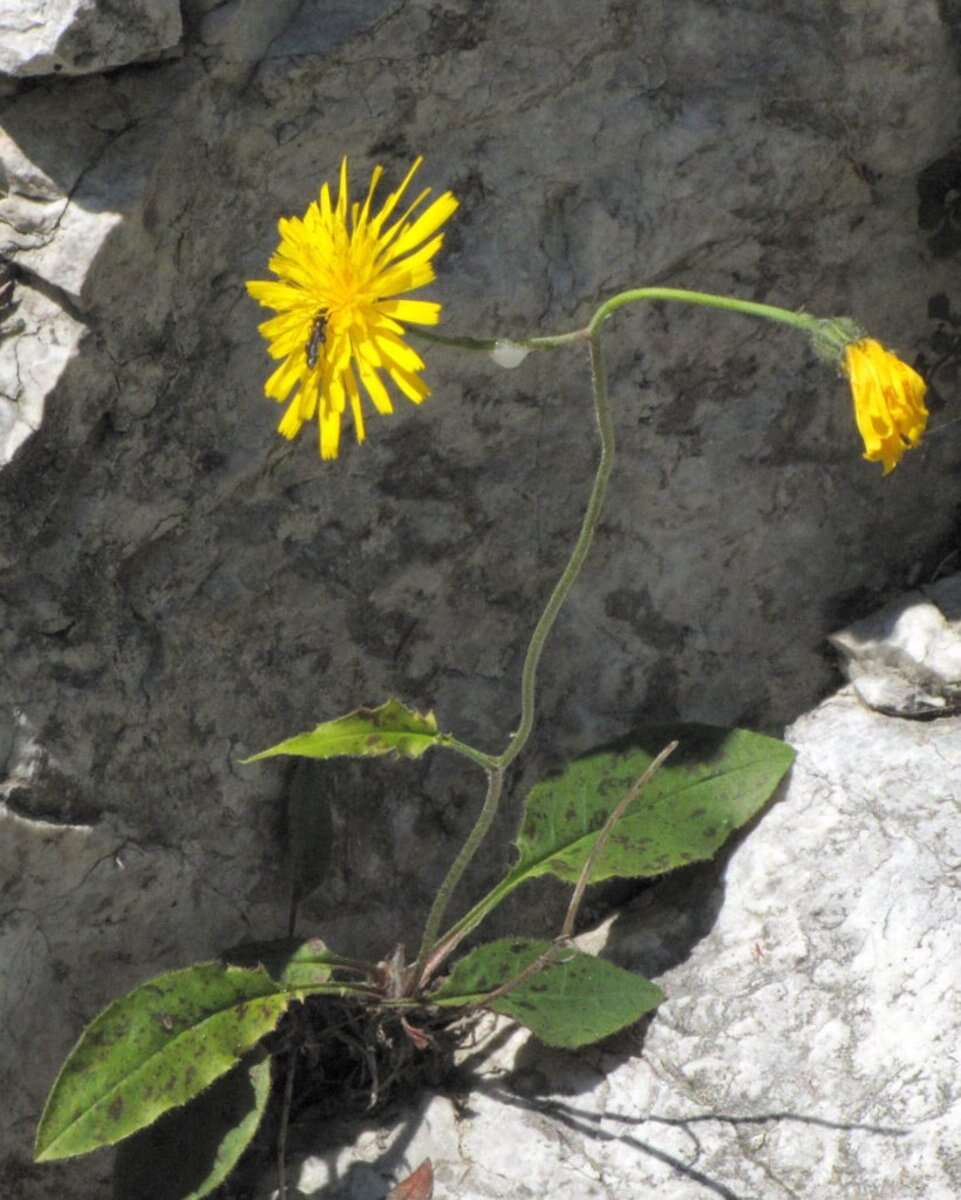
x=154, y=1049
x=574, y=1000
x=364, y=733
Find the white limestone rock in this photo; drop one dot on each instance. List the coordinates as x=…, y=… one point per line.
x=806, y=1047
x=40, y=341
x=81, y=37
x=905, y=659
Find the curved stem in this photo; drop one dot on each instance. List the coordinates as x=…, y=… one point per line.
x=445, y=946
x=748, y=308
x=428, y=959
x=495, y=785
x=563, y=586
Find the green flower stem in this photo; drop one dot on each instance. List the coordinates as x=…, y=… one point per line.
x=342, y=990
x=446, y=945
x=486, y=345
x=563, y=586
x=460, y=343
x=748, y=308
x=487, y=761
x=518, y=739
x=495, y=785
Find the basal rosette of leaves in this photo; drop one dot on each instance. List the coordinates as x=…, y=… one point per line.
x=157, y=1055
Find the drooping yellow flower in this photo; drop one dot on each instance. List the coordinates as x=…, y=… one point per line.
x=888, y=401
x=341, y=272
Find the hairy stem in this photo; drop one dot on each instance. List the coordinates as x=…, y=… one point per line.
x=563, y=586
x=495, y=785
x=519, y=738
x=487, y=761
x=748, y=308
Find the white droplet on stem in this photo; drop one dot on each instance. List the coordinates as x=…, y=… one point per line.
x=509, y=354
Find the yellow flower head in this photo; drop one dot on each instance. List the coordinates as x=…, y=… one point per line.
x=888, y=401
x=339, y=319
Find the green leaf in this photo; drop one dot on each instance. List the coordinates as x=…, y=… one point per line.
x=190, y=1151
x=365, y=733
x=714, y=782
x=293, y=962
x=574, y=1000
x=155, y=1049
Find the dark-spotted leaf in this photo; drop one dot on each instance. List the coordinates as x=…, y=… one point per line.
x=364, y=733
x=190, y=1151
x=715, y=781
x=574, y=1000
x=155, y=1049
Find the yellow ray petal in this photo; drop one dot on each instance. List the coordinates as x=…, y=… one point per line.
x=308, y=399
x=356, y=408
x=385, y=324
x=375, y=388
x=329, y=434
x=280, y=383
x=402, y=222
x=291, y=422
x=414, y=312
x=273, y=294
x=394, y=198
x=342, y=197
x=403, y=278
x=363, y=218
x=399, y=353
x=431, y=219
x=412, y=386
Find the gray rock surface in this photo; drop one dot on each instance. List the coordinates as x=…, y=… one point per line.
x=807, y=1045
x=179, y=588
x=80, y=37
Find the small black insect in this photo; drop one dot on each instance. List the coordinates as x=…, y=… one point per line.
x=318, y=332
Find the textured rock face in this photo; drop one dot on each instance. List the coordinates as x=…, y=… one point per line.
x=79, y=37
x=806, y=1045
x=179, y=588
